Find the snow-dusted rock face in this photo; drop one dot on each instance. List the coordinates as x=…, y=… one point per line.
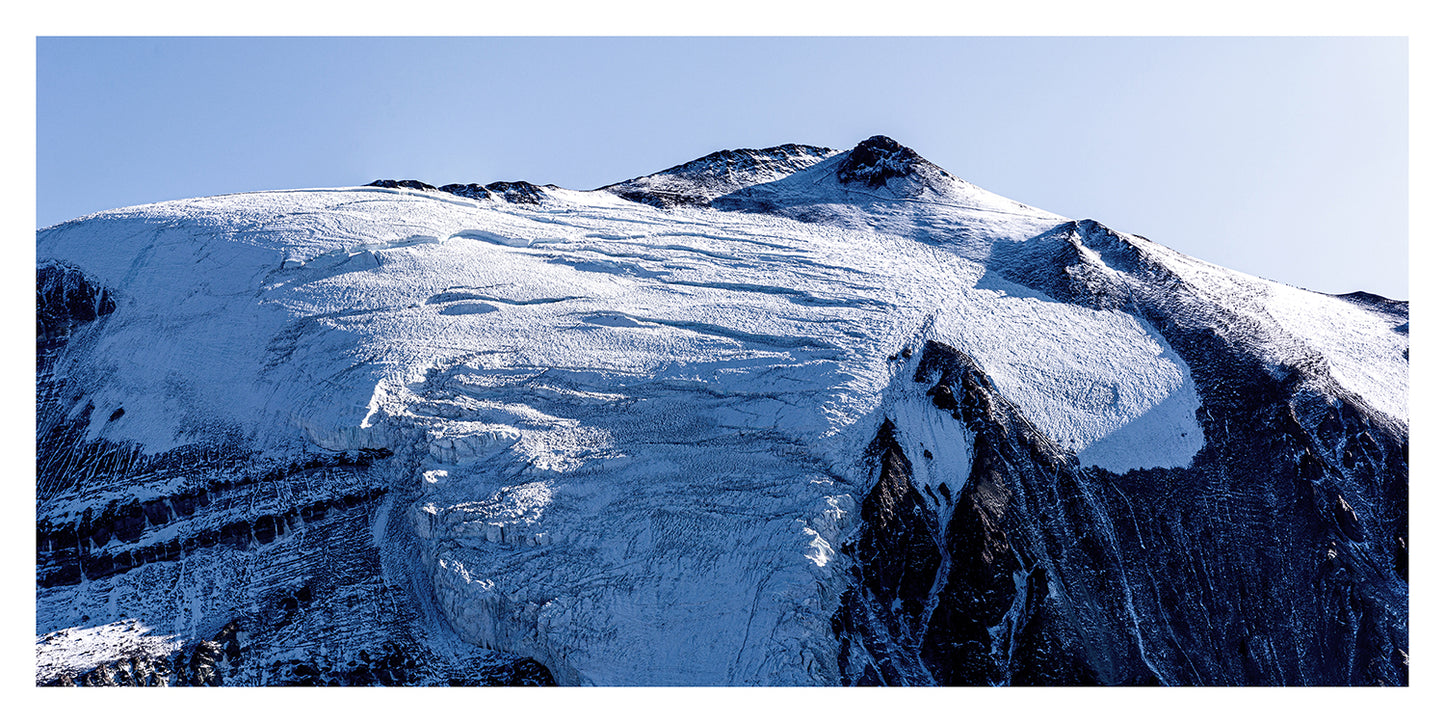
x=699, y=182
x=785, y=417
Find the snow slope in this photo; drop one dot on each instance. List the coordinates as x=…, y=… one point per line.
x=635, y=431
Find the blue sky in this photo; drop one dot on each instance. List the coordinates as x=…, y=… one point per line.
x=1281, y=157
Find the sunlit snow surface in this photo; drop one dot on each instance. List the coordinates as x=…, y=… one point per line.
x=73, y=651
x=639, y=430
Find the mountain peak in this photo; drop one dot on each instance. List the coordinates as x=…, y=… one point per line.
x=878, y=159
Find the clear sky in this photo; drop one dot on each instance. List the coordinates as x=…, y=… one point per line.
x=1281, y=157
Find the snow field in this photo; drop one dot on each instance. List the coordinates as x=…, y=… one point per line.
x=638, y=431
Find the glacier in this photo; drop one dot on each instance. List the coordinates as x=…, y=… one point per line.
x=794, y=416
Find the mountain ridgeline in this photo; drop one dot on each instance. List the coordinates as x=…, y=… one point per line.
x=788, y=416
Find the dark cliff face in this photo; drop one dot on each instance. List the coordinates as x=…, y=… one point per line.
x=64, y=300
x=1278, y=557
x=898, y=553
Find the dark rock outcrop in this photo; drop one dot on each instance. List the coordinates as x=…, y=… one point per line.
x=509, y=191
x=408, y=183
x=1379, y=303
x=467, y=190
x=878, y=159
x=65, y=299
x=517, y=191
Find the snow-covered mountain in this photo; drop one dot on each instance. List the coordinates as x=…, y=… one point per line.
x=789, y=416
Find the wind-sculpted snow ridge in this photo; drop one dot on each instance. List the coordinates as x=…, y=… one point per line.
x=839, y=418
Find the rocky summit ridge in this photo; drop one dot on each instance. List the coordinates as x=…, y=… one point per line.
x=873, y=162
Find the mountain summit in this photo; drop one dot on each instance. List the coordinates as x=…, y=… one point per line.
x=788, y=416
x=881, y=158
